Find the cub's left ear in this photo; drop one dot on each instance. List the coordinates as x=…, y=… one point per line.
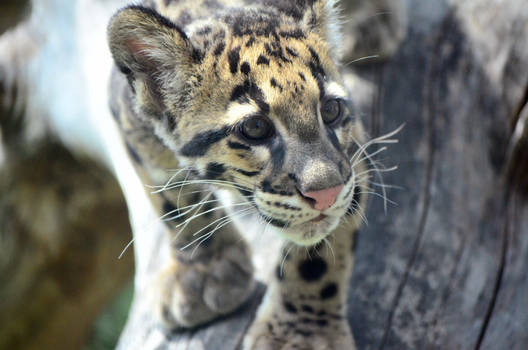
x=323, y=19
x=154, y=53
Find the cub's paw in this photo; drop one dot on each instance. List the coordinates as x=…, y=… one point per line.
x=299, y=334
x=196, y=291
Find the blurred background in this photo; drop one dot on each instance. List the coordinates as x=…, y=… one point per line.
x=63, y=224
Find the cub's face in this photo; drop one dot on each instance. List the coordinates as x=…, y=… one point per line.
x=264, y=114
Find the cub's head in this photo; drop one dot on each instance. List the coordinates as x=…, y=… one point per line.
x=252, y=98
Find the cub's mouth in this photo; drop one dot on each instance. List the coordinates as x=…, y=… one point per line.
x=307, y=226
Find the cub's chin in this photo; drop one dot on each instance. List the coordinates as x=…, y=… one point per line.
x=309, y=232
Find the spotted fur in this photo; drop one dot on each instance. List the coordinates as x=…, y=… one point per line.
x=188, y=75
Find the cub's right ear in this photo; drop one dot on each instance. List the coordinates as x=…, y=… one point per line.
x=147, y=47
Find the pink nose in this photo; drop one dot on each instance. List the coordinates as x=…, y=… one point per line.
x=324, y=198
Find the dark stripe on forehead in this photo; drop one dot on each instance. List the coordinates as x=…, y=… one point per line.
x=219, y=49
x=263, y=60
x=315, y=57
x=200, y=143
x=245, y=68
x=293, y=34
x=234, y=57
x=318, y=78
x=275, y=50
x=317, y=71
x=251, y=41
x=241, y=92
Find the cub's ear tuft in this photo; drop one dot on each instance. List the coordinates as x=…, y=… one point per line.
x=150, y=49
x=323, y=18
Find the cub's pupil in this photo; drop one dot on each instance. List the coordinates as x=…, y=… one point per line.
x=331, y=111
x=256, y=128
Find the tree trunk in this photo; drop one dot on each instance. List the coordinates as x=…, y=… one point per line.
x=446, y=267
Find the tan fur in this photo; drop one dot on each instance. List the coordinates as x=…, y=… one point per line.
x=188, y=82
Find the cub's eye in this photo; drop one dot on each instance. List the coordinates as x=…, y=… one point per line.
x=256, y=128
x=331, y=111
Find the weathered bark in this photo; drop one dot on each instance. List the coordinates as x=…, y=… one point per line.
x=446, y=267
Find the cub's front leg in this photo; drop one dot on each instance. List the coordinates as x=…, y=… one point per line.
x=210, y=272
x=305, y=305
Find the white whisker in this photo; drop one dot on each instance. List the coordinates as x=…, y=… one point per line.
x=126, y=247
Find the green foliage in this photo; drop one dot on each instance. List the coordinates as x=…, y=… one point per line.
x=108, y=326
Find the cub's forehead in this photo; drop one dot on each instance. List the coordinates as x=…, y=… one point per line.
x=278, y=70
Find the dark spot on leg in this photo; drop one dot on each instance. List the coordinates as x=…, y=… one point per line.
x=329, y=291
x=270, y=329
x=304, y=333
x=290, y=307
x=322, y=322
x=307, y=309
x=312, y=269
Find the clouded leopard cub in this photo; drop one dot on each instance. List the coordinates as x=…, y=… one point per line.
x=245, y=97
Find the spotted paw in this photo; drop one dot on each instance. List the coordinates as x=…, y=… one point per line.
x=196, y=291
x=300, y=334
